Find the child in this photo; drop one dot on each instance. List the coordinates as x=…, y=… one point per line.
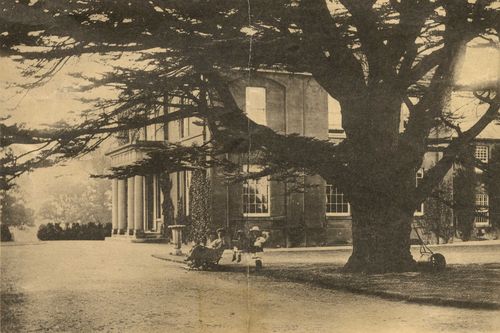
x=241, y=244
x=257, y=240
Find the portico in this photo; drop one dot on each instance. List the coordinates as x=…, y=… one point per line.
x=134, y=196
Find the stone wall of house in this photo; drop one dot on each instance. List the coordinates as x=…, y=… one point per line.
x=295, y=103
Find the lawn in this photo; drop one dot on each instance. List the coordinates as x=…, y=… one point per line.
x=469, y=286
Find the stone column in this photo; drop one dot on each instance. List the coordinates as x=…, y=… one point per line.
x=122, y=206
x=130, y=205
x=114, y=210
x=138, y=204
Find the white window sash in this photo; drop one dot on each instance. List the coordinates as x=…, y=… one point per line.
x=245, y=195
x=255, y=104
x=348, y=213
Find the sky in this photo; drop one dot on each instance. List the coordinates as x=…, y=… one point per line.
x=54, y=101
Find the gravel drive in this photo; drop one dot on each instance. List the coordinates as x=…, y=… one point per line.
x=112, y=286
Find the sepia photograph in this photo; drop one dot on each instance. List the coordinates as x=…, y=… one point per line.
x=250, y=166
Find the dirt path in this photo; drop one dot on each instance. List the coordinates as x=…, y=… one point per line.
x=119, y=287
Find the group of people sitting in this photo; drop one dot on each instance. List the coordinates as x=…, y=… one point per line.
x=252, y=242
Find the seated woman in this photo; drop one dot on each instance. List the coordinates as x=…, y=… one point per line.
x=202, y=256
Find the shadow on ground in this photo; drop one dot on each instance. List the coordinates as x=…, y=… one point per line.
x=473, y=286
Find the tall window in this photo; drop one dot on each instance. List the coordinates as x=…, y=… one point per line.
x=481, y=153
x=255, y=104
x=256, y=196
x=418, y=178
x=336, y=204
x=334, y=115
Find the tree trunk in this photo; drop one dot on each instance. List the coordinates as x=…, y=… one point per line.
x=381, y=239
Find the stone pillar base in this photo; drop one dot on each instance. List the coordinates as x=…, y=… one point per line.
x=115, y=231
x=121, y=231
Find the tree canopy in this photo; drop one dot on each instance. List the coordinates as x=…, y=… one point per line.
x=354, y=49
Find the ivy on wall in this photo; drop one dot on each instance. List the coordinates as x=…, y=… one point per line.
x=200, y=207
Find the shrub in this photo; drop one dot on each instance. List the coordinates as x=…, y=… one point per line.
x=108, y=228
x=90, y=231
x=464, y=188
x=5, y=235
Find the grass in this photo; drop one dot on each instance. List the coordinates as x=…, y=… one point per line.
x=467, y=286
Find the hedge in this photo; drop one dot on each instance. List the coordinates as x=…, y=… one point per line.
x=89, y=231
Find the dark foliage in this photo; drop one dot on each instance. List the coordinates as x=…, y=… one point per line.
x=492, y=181
x=90, y=231
x=464, y=189
x=200, y=207
x=14, y=211
x=5, y=235
x=438, y=218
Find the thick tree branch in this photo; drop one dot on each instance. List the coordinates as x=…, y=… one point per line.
x=434, y=176
x=331, y=60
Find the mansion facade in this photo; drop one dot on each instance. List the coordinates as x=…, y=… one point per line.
x=287, y=103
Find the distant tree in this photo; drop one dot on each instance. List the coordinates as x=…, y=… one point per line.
x=14, y=211
x=82, y=203
x=5, y=235
x=464, y=194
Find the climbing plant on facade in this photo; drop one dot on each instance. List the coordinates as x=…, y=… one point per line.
x=200, y=206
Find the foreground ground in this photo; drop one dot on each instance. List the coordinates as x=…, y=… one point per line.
x=119, y=287
x=472, y=277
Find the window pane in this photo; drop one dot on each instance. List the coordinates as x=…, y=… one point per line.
x=256, y=196
x=255, y=104
x=481, y=153
x=335, y=203
x=334, y=115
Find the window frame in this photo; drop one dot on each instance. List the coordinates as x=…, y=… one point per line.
x=254, y=168
x=327, y=204
x=247, y=108
x=334, y=115
x=482, y=204
x=485, y=151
